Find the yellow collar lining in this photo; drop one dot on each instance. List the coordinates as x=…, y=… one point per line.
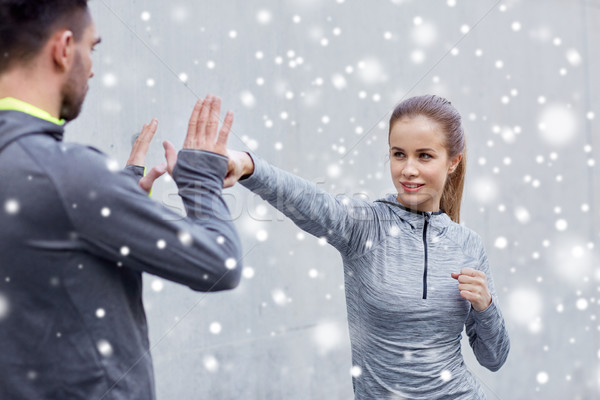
x=10, y=103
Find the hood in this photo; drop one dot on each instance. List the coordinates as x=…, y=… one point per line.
x=415, y=218
x=14, y=124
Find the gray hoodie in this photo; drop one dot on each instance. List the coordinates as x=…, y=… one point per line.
x=76, y=233
x=405, y=313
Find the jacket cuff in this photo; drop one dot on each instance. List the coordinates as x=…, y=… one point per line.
x=253, y=181
x=135, y=171
x=201, y=166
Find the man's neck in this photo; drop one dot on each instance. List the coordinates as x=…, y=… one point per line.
x=26, y=86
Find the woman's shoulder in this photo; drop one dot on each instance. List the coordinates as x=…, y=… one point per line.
x=469, y=240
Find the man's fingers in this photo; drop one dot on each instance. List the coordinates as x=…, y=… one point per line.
x=200, y=134
x=454, y=275
x=224, y=133
x=170, y=155
x=213, y=120
x=230, y=180
x=142, y=143
x=193, y=125
x=147, y=181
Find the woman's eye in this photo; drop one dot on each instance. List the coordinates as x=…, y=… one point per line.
x=398, y=154
x=426, y=156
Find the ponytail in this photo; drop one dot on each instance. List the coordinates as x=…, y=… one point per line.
x=453, y=190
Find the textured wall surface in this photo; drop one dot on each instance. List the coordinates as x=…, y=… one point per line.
x=312, y=83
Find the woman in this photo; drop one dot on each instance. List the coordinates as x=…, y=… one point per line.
x=414, y=277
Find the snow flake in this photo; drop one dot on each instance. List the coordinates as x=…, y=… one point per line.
x=417, y=56
x=522, y=215
x=230, y=263
x=524, y=315
x=248, y=272
x=561, y=225
x=215, y=328
x=113, y=165
x=262, y=235
x=125, y=251
x=446, y=375
x=105, y=212
x=327, y=336
x=582, y=304
x=12, y=206
x=4, y=306
x=185, y=238
x=279, y=297
x=501, y=243
x=573, y=57
x=247, y=99
x=109, y=80
x=339, y=81
x=157, y=285
x=105, y=348
x=334, y=171
x=100, y=313
x=356, y=371
x=264, y=17
x=211, y=364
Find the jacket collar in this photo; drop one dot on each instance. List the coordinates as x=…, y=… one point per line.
x=10, y=103
x=416, y=218
x=14, y=124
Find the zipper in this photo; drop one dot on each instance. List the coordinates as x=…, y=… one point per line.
x=427, y=216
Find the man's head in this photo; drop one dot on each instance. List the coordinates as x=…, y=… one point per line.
x=56, y=36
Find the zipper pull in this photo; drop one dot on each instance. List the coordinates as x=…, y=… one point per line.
x=427, y=216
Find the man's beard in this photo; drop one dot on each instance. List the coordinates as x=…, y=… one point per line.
x=74, y=91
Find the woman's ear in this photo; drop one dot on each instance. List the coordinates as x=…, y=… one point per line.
x=454, y=163
x=63, y=49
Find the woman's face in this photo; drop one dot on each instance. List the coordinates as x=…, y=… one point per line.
x=419, y=162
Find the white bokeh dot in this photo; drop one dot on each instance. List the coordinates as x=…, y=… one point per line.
x=11, y=206
x=230, y=263
x=215, y=328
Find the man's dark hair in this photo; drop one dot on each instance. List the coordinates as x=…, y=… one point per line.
x=26, y=26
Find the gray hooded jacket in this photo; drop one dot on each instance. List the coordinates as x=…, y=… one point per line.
x=76, y=233
x=405, y=313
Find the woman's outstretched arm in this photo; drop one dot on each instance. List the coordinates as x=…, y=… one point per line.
x=335, y=218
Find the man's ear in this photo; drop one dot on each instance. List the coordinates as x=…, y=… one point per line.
x=63, y=49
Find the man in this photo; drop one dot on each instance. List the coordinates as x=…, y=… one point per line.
x=75, y=234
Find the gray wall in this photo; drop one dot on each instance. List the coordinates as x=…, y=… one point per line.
x=524, y=79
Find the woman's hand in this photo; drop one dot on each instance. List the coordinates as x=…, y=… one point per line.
x=473, y=286
x=240, y=164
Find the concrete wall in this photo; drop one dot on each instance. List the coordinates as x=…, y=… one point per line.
x=312, y=83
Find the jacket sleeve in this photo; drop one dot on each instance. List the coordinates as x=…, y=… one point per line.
x=115, y=220
x=136, y=172
x=486, y=329
x=337, y=219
